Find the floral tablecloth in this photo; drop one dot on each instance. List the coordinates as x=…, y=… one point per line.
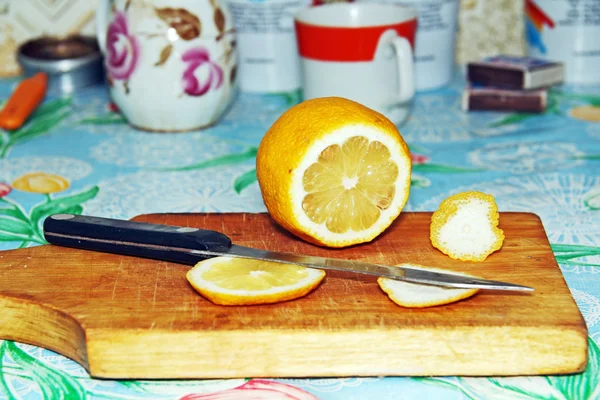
x=77, y=155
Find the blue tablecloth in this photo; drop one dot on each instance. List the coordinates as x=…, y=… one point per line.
x=548, y=164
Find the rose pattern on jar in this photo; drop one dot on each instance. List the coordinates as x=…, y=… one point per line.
x=200, y=65
x=123, y=49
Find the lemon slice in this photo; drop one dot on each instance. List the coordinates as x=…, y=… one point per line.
x=465, y=226
x=334, y=172
x=236, y=281
x=414, y=295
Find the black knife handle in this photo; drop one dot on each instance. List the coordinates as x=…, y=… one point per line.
x=162, y=242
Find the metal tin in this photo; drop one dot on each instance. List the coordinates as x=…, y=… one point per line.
x=72, y=62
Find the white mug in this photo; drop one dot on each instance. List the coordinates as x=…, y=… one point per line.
x=362, y=52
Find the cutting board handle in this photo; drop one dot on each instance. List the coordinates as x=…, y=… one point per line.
x=162, y=242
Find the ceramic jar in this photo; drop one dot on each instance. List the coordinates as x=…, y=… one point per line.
x=170, y=64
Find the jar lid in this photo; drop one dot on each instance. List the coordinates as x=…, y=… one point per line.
x=71, y=62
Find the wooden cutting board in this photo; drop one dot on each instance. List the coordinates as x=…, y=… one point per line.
x=125, y=317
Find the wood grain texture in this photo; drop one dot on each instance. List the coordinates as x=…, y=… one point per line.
x=126, y=317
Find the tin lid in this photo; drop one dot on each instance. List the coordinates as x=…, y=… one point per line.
x=71, y=62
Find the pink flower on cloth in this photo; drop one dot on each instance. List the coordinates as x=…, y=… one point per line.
x=4, y=189
x=418, y=158
x=122, y=48
x=112, y=107
x=256, y=389
x=201, y=74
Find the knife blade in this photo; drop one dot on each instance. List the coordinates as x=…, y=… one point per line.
x=189, y=245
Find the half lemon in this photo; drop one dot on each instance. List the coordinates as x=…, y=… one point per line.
x=334, y=172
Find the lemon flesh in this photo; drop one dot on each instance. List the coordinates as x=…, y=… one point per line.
x=239, y=281
x=349, y=185
x=239, y=274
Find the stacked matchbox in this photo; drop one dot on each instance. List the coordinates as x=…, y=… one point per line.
x=510, y=83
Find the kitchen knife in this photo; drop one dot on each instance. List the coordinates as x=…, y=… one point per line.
x=188, y=245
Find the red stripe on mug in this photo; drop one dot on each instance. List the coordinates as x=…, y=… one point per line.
x=329, y=43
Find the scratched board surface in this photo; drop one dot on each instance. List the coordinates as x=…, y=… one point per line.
x=126, y=317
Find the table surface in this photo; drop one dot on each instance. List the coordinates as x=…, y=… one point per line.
x=548, y=164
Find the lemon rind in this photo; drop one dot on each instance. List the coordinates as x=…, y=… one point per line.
x=454, y=295
x=449, y=207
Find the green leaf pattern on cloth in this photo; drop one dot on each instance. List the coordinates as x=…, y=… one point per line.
x=585, y=386
x=17, y=225
x=44, y=120
x=52, y=383
x=244, y=180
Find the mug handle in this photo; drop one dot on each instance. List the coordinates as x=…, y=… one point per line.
x=406, y=69
x=102, y=12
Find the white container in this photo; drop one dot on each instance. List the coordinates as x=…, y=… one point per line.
x=268, y=61
x=435, y=42
x=567, y=31
x=170, y=64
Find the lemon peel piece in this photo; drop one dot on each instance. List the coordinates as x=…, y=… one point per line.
x=414, y=295
x=465, y=226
